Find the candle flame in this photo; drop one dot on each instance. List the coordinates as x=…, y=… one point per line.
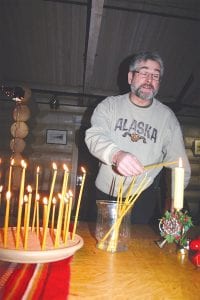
x=65, y=168
x=29, y=189
x=23, y=164
x=25, y=198
x=59, y=196
x=12, y=162
x=37, y=197
x=83, y=170
x=70, y=193
x=180, y=162
x=38, y=170
x=54, y=166
x=45, y=200
x=1, y=188
x=66, y=199
x=54, y=200
x=8, y=195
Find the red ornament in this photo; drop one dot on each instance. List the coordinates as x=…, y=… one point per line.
x=196, y=259
x=195, y=245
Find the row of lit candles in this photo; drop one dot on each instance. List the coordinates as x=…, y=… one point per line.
x=25, y=200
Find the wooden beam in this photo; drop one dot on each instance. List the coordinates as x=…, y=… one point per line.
x=93, y=36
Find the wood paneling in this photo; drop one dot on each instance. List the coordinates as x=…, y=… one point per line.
x=191, y=131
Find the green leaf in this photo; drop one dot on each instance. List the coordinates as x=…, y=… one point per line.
x=169, y=238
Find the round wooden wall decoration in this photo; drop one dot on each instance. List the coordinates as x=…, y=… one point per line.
x=19, y=129
x=17, y=145
x=21, y=113
x=17, y=159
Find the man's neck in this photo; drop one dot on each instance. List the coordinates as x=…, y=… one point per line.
x=138, y=101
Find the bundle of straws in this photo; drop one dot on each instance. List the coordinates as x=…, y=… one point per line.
x=124, y=206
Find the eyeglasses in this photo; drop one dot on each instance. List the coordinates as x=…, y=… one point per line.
x=144, y=74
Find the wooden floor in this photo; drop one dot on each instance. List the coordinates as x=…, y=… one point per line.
x=143, y=272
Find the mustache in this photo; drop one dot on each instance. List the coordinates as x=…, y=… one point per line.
x=146, y=85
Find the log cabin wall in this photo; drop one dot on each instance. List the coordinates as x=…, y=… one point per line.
x=191, y=133
x=45, y=150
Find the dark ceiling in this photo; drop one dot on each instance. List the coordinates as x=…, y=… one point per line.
x=78, y=50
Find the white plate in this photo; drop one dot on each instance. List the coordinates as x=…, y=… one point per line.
x=37, y=255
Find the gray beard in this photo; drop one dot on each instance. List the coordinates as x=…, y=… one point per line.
x=142, y=95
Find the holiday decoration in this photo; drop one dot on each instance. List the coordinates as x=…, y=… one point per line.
x=174, y=226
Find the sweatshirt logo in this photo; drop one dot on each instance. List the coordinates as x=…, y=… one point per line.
x=135, y=137
x=136, y=130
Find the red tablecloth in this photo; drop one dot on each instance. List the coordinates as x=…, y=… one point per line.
x=35, y=281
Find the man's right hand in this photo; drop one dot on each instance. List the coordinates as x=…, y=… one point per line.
x=127, y=164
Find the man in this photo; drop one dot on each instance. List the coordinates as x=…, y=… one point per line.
x=135, y=130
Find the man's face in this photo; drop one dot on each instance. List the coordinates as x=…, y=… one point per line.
x=145, y=81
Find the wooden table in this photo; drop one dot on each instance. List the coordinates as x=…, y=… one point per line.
x=143, y=272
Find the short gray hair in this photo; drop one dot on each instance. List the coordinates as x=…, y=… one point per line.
x=144, y=56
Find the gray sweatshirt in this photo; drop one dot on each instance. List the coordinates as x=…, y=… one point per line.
x=152, y=134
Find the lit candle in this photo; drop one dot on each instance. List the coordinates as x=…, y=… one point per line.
x=66, y=203
x=36, y=193
x=45, y=225
x=37, y=215
x=25, y=202
x=65, y=180
x=0, y=170
x=10, y=174
x=78, y=203
x=59, y=221
x=45, y=204
x=1, y=189
x=66, y=231
x=29, y=188
x=21, y=196
x=19, y=216
x=61, y=206
x=179, y=186
x=53, y=183
x=6, y=221
x=53, y=214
